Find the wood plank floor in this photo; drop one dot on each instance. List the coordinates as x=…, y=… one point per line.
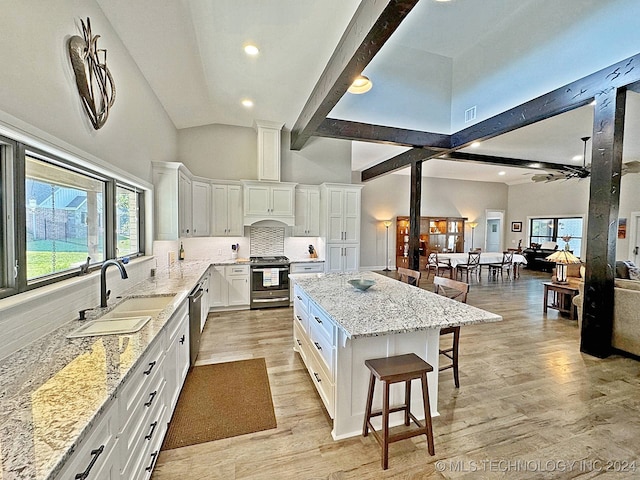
x=530, y=405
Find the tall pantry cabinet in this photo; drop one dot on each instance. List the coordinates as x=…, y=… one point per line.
x=340, y=214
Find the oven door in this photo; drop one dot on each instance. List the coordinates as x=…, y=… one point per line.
x=264, y=279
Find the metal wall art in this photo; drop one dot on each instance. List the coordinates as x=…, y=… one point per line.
x=95, y=83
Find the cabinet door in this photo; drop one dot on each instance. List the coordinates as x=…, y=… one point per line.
x=351, y=215
x=218, y=288
x=235, y=221
x=351, y=258
x=302, y=208
x=257, y=201
x=335, y=220
x=219, y=210
x=238, y=290
x=166, y=208
x=201, y=208
x=205, y=301
x=184, y=205
x=334, y=260
x=282, y=201
x=313, y=214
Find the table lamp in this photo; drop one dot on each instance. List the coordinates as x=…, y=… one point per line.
x=562, y=258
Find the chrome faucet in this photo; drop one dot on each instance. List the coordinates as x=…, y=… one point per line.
x=104, y=293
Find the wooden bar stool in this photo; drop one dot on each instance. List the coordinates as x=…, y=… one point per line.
x=388, y=370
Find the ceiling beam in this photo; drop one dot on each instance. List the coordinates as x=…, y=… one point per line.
x=366, y=132
x=563, y=99
x=399, y=161
x=369, y=29
x=508, y=162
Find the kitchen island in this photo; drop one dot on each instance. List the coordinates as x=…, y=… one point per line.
x=336, y=328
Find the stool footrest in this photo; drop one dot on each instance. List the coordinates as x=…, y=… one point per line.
x=377, y=413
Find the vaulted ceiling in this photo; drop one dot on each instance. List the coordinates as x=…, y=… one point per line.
x=444, y=58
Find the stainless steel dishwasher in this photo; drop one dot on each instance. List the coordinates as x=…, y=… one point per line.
x=195, y=314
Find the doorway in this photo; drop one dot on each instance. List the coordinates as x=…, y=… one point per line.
x=494, y=233
x=634, y=239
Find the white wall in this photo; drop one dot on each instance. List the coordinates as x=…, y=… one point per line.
x=388, y=197
x=38, y=91
x=512, y=65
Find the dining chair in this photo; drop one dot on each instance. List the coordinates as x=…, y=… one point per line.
x=412, y=277
x=506, y=264
x=437, y=265
x=472, y=265
x=458, y=291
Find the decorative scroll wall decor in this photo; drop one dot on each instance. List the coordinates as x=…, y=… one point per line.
x=95, y=83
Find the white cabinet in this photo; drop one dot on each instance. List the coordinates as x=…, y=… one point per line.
x=173, y=201
x=229, y=286
x=227, y=214
x=206, y=303
x=307, y=211
x=177, y=357
x=96, y=456
x=201, y=207
x=340, y=224
x=268, y=150
x=269, y=201
x=238, y=284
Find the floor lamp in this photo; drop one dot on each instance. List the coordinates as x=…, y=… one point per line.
x=473, y=226
x=387, y=224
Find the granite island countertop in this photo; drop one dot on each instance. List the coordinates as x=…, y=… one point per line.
x=53, y=390
x=388, y=307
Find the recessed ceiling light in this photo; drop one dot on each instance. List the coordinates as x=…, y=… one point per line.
x=576, y=158
x=360, y=85
x=593, y=103
x=247, y=103
x=251, y=50
x=534, y=165
x=502, y=172
x=475, y=144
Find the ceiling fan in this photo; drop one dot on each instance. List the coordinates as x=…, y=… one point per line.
x=567, y=172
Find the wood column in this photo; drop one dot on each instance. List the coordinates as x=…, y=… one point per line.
x=604, y=200
x=414, y=215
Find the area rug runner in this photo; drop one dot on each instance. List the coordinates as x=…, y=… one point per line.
x=220, y=401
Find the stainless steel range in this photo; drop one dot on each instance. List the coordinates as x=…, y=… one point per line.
x=269, y=281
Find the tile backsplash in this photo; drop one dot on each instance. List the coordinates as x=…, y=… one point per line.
x=267, y=241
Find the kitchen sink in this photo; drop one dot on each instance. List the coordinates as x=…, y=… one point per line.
x=128, y=317
x=111, y=326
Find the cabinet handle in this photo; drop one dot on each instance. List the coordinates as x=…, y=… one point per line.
x=299, y=318
x=318, y=379
x=151, y=397
x=95, y=454
x=182, y=339
x=317, y=319
x=299, y=297
x=154, y=455
x=153, y=428
x=151, y=365
x=299, y=342
x=317, y=346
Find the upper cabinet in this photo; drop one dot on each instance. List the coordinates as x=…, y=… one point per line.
x=269, y=201
x=173, y=201
x=342, y=213
x=227, y=215
x=268, y=150
x=201, y=194
x=307, y=211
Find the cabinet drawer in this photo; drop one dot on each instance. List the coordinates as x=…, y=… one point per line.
x=300, y=344
x=235, y=270
x=300, y=299
x=138, y=385
x=323, y=384
x=317, y=316
x=96, y=450
x=300, y=316
x=323, y=348
x=314, y=267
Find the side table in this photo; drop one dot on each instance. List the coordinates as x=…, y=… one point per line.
x=561, y=298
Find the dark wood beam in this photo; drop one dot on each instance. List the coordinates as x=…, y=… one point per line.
x=509, y=162
x=399, y=161
x=414, y=215
x=369, y=29
x=602, y=227
x=365, y=132
x=598, y=85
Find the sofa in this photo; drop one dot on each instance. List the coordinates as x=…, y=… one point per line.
x=626, y=321
x=536, y=256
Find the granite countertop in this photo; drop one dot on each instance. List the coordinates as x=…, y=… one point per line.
x=305, y=260
x=52, y=391
x=388, y=307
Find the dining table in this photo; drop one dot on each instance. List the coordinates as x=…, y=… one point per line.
x=486, y=258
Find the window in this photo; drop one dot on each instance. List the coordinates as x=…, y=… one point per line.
x=128, y=224
x=553, y=229
x=64, y=218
